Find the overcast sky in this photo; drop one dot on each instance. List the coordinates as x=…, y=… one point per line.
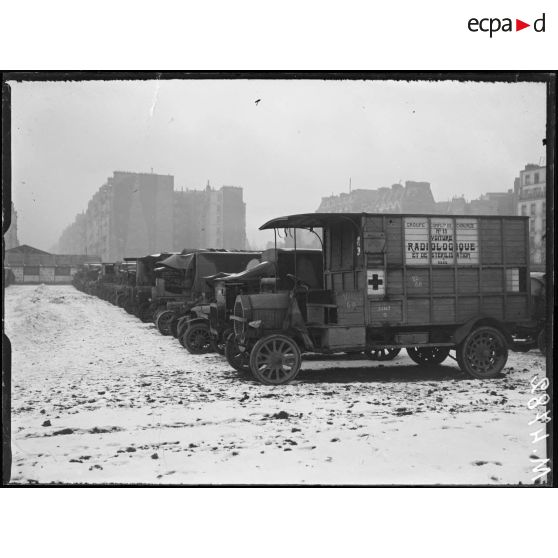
x=302, y=141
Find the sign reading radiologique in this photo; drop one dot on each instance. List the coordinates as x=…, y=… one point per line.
x=441, y=241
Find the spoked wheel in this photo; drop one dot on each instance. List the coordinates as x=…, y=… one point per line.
x=382, y=354
x=483, y=353
x=239, y=360
x=120, y=300
x=428, y=355
x=197, y=339
x=163, y=321
x=181, y=327
x=219, y=342
x=541, y=342
x=275, y=360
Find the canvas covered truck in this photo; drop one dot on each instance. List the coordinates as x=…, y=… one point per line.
x=184, y=310
x=275, y=273
x=429, y=284
x=86, y=277
x=106, y=281
x=125, y=279
x=137, y=300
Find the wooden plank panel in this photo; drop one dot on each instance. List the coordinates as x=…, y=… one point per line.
x=443, y=310
x=337, y=281
x=418, y=310
x=350, y=307
x=394, y=240
x=443, y=280
x=394, y=281
x=467, y=307
x=385, y=312
x=491, y=241
x=349, y=281
x=515, y=251
x=348, y=247
x=516, y=307
x=417, y=281
x=493, y=306
x=492, y=280
x=373, y=224
x=468, y=280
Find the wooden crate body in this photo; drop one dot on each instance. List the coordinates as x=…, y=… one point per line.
x=427, y=270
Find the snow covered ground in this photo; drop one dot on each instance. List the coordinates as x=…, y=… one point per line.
x=99, y=397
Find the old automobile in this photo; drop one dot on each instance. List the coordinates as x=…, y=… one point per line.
x=429, y=284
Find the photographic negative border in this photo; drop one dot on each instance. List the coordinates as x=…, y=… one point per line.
x=547, y=77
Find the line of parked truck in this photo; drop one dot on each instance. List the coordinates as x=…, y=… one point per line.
x=379, y=284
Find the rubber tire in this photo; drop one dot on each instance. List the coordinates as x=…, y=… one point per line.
x=181, y=329
x=261, y=353
x=163, y=322
x=428, y=356
x=220, y=342
x=239, y=360
x=192, y=342
x=382, y=354
x=467, y=345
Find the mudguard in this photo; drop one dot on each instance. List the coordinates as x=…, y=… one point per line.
x=462, y=331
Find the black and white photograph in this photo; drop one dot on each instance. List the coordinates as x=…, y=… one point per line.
x=278, y=279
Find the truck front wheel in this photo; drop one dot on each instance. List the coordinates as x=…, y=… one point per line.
x=197, y=339
x=275, y=360
x=483, y=353
x=239, y=360
x=163, y=321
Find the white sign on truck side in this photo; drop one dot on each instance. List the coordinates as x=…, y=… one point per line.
x=441, y=241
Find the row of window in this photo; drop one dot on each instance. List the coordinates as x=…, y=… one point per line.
x=533, y=209
x=527, y=179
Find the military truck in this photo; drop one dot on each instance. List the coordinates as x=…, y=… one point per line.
x=275, y=273
x=186, y=297
x=429, y=284
x=137, y=299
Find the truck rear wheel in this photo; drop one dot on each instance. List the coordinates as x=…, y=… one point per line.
x=163, y=321
x=428, y=355
x=483, y=353
x=382, y=354
x=197, y=339
x=239, y=360
x=275, y=360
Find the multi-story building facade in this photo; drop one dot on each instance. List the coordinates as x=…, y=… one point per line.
x=134, y=214
x=531, y=201
x=417, y=197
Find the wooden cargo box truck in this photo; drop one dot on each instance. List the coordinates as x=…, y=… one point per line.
x=427, y=283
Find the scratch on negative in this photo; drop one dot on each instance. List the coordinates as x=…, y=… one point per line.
x=155, y=97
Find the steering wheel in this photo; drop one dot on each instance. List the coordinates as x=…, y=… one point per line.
x=298, y=282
